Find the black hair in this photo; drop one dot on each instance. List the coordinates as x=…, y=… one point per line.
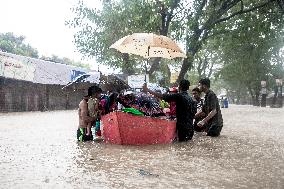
x=184, y=85
x=113, y=98
x=94, y=90
x=196, y=89
x=205, y=81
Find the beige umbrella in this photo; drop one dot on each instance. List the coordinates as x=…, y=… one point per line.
x=148, y=45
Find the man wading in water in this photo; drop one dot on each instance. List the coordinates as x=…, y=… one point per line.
x=184, y=109
x=85, y=120
x=213, y=121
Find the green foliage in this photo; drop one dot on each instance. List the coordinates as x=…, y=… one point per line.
x=98, y=29
x=65, y=60
x=14, y=44
x=250, y=53
x=238, y=40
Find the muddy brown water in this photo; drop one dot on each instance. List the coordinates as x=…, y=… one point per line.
x=39, y=150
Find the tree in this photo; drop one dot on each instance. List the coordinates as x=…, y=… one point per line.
x=191, y=22
x=251, y=55
x=209, y=18
x=65, y=60
x=207, y=60
x=14, y=44
x=98, y=29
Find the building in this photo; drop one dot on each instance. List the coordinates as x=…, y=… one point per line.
x=29, y=84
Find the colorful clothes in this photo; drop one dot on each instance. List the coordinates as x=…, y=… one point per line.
x=164, y=104
x=148, y=105
x=104, y=105
x=132, y=111
x=173, y=108
x=93, y=107
x=81, y=135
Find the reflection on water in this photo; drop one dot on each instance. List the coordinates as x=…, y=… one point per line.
x=40, y=150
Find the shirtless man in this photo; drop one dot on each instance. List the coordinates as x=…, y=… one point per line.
x=85, y=120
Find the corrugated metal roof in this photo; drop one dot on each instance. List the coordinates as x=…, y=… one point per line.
x=37, y=70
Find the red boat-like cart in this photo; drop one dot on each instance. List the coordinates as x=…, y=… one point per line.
x=128, y=129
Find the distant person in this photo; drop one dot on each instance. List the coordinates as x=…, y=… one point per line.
x=226, y=103
x=196, y=94
x=274, y=99
x=184, y=109
x=221, y=102
x=213, y=121
x=85, y=120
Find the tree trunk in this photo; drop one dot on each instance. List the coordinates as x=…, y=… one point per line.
x=166, y=18
x=254, y=97
x=127, y=68
x=257, y=99
x=155, y=66
x=186, y=66
x=194, y=45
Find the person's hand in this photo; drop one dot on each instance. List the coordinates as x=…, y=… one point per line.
x=145, y=88
x=199, y=115
x=201, y=123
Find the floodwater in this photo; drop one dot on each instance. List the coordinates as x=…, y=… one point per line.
x=39, y=150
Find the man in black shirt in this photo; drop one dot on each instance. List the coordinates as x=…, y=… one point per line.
x=213, y=121
x=185, y=110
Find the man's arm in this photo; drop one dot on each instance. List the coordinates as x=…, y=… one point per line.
x=207, y=118
x=199, y=114
x=145, y=89
x=212, y=100
x=166, y=97
x=210, y=115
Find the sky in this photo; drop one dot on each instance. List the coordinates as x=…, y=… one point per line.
x=42, y=22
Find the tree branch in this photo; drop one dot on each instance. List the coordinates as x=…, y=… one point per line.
x=214, y=34
x=169, y=15
x=226, y=5
x=281, y=5
x=242, y=11
x=199, y=11
x=183, y=8
x=211, y=70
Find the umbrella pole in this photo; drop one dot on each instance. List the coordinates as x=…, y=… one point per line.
x=146, y=64
x=146, y=70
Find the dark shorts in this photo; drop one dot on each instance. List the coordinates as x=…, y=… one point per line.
x=81, y=135
x=184, y=132
x=214, y=129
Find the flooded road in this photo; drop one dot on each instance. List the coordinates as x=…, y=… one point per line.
x=39, y=150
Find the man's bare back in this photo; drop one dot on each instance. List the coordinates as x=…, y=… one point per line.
x=84, y=119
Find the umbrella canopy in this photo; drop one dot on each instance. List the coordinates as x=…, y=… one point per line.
x=148, y=45
x=79, y=83
x=113, y=83
x=107, y=83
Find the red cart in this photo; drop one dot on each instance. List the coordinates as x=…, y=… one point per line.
x=125, y=128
